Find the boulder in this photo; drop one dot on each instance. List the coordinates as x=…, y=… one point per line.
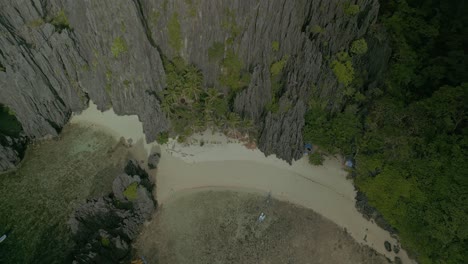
x=388, y=246
x=153, y=160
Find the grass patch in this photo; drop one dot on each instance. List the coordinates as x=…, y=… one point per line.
x=118, y=47
x=175, y=33
x=316, y=159
x=131, y=191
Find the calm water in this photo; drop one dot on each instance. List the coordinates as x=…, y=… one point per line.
x=36, y=200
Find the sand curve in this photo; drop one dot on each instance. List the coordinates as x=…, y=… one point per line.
x=226, y=163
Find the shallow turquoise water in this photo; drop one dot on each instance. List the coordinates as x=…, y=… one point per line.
x=56, y=175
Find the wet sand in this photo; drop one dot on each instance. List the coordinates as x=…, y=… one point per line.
x=222, y=162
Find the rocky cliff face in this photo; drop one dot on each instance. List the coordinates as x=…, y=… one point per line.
x=56, y=55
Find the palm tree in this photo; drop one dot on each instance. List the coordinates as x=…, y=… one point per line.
x=212, y=95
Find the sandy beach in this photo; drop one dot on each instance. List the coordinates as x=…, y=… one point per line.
x=227, y=163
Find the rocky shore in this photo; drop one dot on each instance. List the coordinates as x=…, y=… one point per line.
x=103, y=228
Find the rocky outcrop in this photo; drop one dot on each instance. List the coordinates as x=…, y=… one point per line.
x=11, y=151
x=112, y=54
x=103, y=228
x=370, y=213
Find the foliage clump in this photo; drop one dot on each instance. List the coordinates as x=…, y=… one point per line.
x=60, y=21
x=190, y=107
x=118, y=47
x=409, y=139
x=216, y=51
x=316, y=158
x=131, y=192
x=351, y=10
x=175, y=32
x=162, y=138
x=232, y=74
x=277, y=67
x=105, y=242
x=275, y=46
x=343, y=68
x=316, y=29
x=359, y=47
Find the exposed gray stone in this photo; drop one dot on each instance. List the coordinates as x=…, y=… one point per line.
x=58, y=71
x=153, y=160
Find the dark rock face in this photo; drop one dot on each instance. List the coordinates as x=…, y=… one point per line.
x=111, y=53
x=11, y=151
x=153, y=160
x=104, y=227
x=388, y=246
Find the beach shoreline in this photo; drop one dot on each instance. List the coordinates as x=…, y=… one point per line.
x=221, y=162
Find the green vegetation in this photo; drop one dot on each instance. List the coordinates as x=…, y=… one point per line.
x=275, y=46
x=277, y=67
x=316, y=158
x=229, y=24
x=105, y=242
x=131, y=192
x=127, y=83
x=192, y=7
x=359, y=47
x=9, y=125
x=175, y=33
x=162, y=138
x=316, y=29
x=232, y=74
x=410, y=140
x=118, y=47
x=154, y=17
x=351, y=10
x=192, y=108
x=343, y=68
x=36, y=23
x=60, y=21
x=216, y=51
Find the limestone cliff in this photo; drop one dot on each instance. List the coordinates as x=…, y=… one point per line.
x=56, y=55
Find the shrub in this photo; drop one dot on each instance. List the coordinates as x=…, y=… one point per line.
x=316, y=159
x=343, y=68
x=351, y=10
x=277, y=67
x=359, y=46
x=162, y=138
x=175, y=33
x=105, y=242
x=232, y=75
x=60, y=21
x=216, y=51
x=317, y=29
x=131, y=191
x=275, y=46
x=118, y=47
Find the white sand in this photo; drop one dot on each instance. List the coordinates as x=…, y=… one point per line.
x=222, y=162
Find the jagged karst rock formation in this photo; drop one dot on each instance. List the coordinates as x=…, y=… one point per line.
x=56, y=55
x=104, y=227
